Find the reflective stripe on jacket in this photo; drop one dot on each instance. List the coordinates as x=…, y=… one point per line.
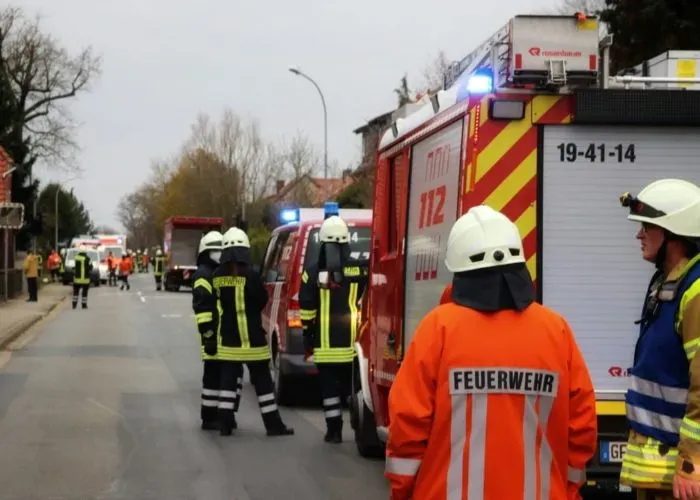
x=204, y=305
x=239, y=302
x=663, y=414
x=330, y=315
x=158, y=266
x=491, y=406
x=81, y=275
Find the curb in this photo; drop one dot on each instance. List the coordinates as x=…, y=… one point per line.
x=26, y=326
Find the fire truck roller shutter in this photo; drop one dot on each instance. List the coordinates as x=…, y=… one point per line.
x=592, y=271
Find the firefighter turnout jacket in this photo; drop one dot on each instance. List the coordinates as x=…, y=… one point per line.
x=240, y=301
x=329, y=313
x=663, y=402
x=495, y=405
x=204, y=304
x=83, y=268
x=158, y=265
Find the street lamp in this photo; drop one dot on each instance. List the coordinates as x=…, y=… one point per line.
x=299, y=72
x=59, y=186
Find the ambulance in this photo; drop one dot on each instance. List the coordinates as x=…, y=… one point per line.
x=293, y=245
x=532, y=125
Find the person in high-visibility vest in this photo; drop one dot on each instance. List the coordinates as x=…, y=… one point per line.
x=662, y=459
x=493, y=399
x=207, y=319
x=81, y=278
x=158, y=268
x=329, y=300
x=241, y=339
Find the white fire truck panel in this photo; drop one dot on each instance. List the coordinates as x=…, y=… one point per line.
x=593, y=273
x=537, y=40
x=432, y=209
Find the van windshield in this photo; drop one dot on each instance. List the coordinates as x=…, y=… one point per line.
x=360, y=243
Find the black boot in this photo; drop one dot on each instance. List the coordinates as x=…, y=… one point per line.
x=334, y=432
x=84, y=306
x=227, y=423
x=210, y=425
x=281, y=430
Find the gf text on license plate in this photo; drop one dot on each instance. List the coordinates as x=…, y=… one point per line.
x=612, y=451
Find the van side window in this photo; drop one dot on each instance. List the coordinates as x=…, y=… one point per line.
x=286, y=258
x=267, y=260
x=393, y=198
x=273, y=272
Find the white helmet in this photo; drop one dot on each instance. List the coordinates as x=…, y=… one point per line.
x=672, y=204
x=159, y=252
x=213, y=240
x=235, y=237
x=483, y=238
x=82, y=248
x=334, y=230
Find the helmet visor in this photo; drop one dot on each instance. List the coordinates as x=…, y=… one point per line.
x=638, y=208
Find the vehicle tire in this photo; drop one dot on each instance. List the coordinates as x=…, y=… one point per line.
x=285, y=387
x=365, y=429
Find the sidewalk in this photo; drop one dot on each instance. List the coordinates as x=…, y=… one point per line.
x=18, y=315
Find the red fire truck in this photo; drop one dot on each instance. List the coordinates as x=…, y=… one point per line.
x=180, y=246
x=527, y=125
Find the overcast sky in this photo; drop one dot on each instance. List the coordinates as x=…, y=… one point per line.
x=165, y=61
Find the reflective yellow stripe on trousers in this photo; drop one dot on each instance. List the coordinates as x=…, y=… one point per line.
x=324, y=327
x=478, y=413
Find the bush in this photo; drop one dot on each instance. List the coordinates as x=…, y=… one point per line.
x=259, y=237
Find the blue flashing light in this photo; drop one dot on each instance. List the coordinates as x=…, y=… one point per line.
x=480, y=84
x=330, y=208
x=289, y=215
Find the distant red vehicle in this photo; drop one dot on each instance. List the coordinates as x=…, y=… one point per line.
x=180, y=246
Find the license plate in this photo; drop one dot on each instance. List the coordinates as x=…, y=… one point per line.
x=611, y=452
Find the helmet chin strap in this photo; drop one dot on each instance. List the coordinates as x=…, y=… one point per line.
x=661, y=255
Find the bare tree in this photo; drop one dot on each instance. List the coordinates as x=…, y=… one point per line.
x=302, y=157
x=434, y=73
x=42, y=76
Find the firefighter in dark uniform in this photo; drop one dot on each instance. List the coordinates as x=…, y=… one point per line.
x=329, y=299
x=81, y=278
x=241, y=339
x=206, y=316
x=158, y=267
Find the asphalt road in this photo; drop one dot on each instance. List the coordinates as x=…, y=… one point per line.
x=104, y=404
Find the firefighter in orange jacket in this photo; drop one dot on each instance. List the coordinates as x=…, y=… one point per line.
x=493, y=399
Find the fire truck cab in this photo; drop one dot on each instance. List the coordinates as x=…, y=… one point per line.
x=532, y=125
x=293, y=246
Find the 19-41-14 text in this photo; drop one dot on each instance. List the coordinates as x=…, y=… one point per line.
x=571, y=152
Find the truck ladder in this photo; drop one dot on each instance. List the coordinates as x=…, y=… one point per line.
x=516, y=55
x=479, y=59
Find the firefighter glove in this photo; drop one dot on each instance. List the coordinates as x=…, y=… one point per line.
x=209, y=343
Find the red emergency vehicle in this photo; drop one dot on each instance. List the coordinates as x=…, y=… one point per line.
x=180, y=246
x=293, y=246
x=525, y=127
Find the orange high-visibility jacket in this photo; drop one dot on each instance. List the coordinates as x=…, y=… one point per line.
x=491, y=406
x=125, y=266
